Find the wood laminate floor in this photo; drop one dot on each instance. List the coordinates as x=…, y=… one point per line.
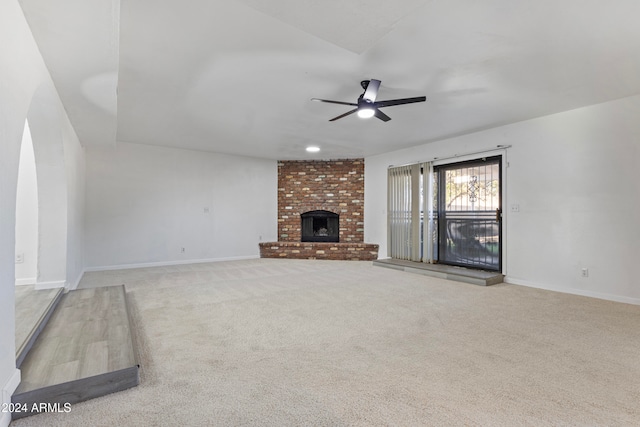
x=88, y=335
x=31, y=306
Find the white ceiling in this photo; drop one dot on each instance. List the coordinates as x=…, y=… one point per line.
x=236, y=76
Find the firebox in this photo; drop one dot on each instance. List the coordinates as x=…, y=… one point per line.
x=320, y=226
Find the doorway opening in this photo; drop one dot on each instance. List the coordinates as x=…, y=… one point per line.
x=468, y=213
x=26, y=248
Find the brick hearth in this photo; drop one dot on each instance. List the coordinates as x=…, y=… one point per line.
x=319, y=250
x=336, y=186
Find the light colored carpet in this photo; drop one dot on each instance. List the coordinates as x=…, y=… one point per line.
x=330, y=343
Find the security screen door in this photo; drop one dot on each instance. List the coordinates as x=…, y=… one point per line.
x=469, y=213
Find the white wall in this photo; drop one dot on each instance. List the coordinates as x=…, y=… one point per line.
x=26, y=90
x=27, y=213
x=574, y=176
x=20, y=72
x=74, y=161
x=46, y=121
x=145, y=203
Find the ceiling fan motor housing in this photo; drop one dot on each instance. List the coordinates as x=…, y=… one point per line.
x=364, y=103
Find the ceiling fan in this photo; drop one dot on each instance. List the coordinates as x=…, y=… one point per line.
x=367, y=106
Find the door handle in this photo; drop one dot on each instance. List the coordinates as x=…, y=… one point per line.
x=498, y=214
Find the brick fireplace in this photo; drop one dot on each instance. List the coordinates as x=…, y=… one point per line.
x=331, y=190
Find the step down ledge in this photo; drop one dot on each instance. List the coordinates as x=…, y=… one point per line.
x=55, y=395
x=457, y=274
x=72, y=392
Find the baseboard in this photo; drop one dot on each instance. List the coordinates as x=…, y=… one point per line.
x=168, y=263
x=27, y=281
x=7, y=392
x=72, y=286
x=573, y=291
x=51, y=285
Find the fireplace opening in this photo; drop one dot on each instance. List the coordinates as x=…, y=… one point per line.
x=320, y=226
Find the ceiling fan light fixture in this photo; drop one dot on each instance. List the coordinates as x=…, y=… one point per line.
x=367, y=105
x=366, y=113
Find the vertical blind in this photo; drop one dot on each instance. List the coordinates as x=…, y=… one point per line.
x=410, y=212
x=404, y=212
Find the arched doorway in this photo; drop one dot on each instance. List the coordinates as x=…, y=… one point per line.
x=27, y=214
x=45, y=118
x=41, y=218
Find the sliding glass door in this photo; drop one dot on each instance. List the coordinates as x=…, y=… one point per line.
x=449, y=214
x=469, y=213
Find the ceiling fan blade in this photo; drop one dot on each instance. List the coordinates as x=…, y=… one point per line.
x=344, y=115
x=372, y=90
x=391, y=102
x=335, y=102
x=382, y=116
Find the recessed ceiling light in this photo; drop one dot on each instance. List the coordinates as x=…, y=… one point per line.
x=313, y=149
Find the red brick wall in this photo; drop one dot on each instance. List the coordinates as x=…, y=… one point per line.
x=334, y=185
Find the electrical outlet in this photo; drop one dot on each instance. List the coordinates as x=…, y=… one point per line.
x=181, y=250
x=19, y=258
x=585, y=272
x=515, y=208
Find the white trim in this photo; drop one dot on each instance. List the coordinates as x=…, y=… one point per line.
x=51, y=285
x=7, y=392
x=167, y=263
x=27, y=281
x=5, y=418
x=73, y=286
x=573, y=291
